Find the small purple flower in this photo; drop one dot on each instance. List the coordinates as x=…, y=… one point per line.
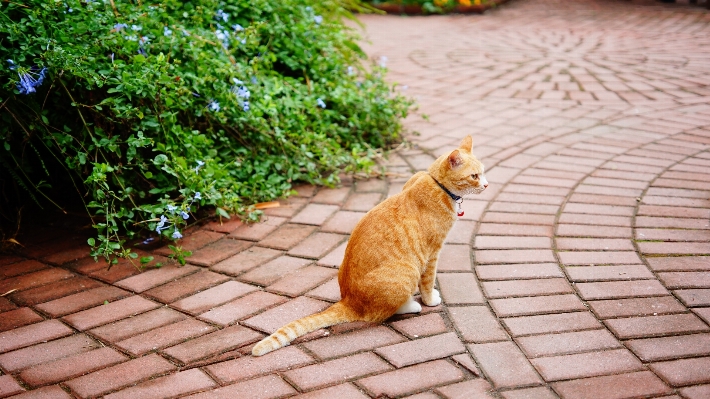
x=184, y=215
x=148, y=240
x=142, y=51
x=237, y=28
x=29, y=78
x=253, y=79
x=246, y=106
x=120, y=27
x=318, y=19
x=198, y=195
x=199, y=165
x=144, y=40
x=222, y=15
x=213, y=106
x=351, y=70
x=172, y=208
x=167, y=31
x=161, y=224
x=320, y=103
x=241, y=91
x=177, y=235
x=136, y=28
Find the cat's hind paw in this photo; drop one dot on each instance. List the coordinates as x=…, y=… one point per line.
x=435, y=298
x=411, y=306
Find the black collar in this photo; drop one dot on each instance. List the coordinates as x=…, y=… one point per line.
x=453, y=196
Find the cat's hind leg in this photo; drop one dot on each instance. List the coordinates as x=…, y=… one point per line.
x=411, y=306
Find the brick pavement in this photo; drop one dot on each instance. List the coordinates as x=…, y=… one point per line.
x=582, y=272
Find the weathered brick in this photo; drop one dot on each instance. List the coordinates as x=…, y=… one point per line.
x=71, y=366
x=257, y=231
x=342, y=222
x=162, y=337
x=529, y=393
x=32, y=334
x=242, y=307
x=511, y=242
x=352, y=342
x=314, y=214
x=514, y=229
x=518, y=271
x=271, y=271
x=50, y=392
x=217, y=251
x=287, y=236
x=248, y=367
x=666, y=348
x=504, y=364
x=454, y=258
x=477, y=324
x=694, y=297
x=621, y=289
x=629, y=385
x=54, y=290
x=193, y=242
x=684, y=371
x=514, y=256
x=139, y=324
x=212, y=297
x=362, y=202
x=333, y=196
x=185, y=286
x=34, y=279
x=566, y=343
x=459, y=288
x=421, y=326
x=679, y=264
x=674, y=280
x=172, y=385
x=316, y=245
x=608, y=273
x=155, y=277
x=274, y=318
x=9, y=387
x=421, y=350
x=589, y=364
x=301, y=280
x=119, y=376
x=23, y=267
x=246, y=260
x=18, y=318
x=334, y=257
x=412, y=379
x=336, y=371
x=328, y=291
x=46, y=352
x=342, y=391
x=523, y=306
x=552, y=323
x=478, y=388
x=212, y=344
x=653, y=326
x=268, y=387
x=109, y=312
x=636, y=307
x=80, y=301
x=515, y=288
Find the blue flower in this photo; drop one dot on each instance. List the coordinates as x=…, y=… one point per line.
x=167, y=31
x=172, y=208
x=199, y=165
x=317, y=19
x=309, y=9
x=198, y=195
x=161, y=224
x=237, y=81
x=351, y=70
x=253, y=79
x=148, y=240
x=222, y=15
x=136, y=28
x=245, y=106
x=320, y=103
x=184, y=215
x=119, y=27
x=241, y=91
x=144, y=40
x=237, y=28
x=142, y=51
x=213, y=106
x=177, y=235
x=29, y=78
x=223, y=37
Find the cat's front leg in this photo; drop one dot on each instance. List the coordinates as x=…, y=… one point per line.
x=430, y=295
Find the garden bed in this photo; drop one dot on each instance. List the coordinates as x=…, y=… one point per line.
x=418, y=9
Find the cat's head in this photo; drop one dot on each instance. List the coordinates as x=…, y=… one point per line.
x=459, y=171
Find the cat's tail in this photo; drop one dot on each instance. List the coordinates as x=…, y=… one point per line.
x=336, y=314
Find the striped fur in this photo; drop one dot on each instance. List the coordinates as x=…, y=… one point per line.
x=394, y=249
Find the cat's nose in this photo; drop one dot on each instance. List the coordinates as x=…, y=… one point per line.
x=485, y=186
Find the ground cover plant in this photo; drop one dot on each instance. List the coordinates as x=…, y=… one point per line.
x=146, y=112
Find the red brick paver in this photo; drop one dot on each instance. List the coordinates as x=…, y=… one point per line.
x=581, y=272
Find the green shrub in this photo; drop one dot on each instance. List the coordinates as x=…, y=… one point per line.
x=149, y=111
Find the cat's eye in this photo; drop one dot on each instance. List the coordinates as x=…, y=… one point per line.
x=475, y=177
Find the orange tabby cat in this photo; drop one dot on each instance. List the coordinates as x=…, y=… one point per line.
x=395, y=248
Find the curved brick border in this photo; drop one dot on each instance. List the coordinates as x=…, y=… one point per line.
x=582, y=272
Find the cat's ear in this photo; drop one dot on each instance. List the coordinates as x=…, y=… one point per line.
x=466, y=144
x=455, y=159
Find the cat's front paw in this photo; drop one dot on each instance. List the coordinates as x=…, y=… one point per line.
x=435, y=298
